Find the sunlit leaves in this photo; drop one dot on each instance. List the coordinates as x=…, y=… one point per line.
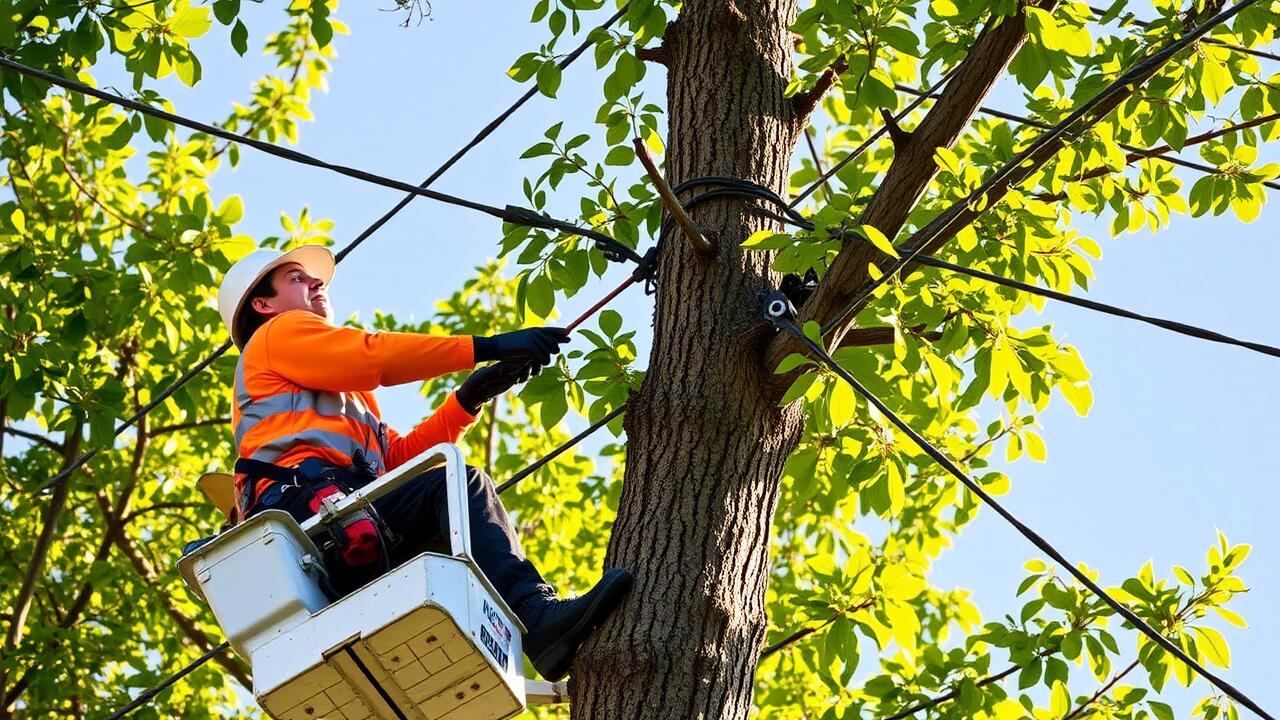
x=112, y=243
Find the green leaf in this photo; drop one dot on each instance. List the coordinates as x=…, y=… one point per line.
x=1080, y=397
x=540, y=297
x=621, y=155
x=791, y=362
x=842, y=403
x=226, y=10
x=878, y=239
x=231, y=210
x=240, y=38
x=1035, y=446
x=610, y=322
x=190, y=22
x=548, y=79
x=798, y=388
x=1211, y=644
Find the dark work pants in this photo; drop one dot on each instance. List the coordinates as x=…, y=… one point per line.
x=418, y=517
x=418, y=514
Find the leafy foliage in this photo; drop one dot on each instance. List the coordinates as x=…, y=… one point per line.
x=110, y=210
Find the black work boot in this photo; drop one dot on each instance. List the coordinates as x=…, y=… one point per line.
x=557, y=627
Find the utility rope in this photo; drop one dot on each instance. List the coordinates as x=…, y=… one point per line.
x=511, y=213
x=778, y=312
x=944, y=222
x=364, y=235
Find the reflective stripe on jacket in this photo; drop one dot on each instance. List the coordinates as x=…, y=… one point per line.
x=303, y=389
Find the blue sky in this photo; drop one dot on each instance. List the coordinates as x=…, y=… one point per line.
x=1170, y=452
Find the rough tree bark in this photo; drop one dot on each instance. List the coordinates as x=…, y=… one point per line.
x=707, y=440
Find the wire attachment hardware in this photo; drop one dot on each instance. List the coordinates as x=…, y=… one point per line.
x=777, y=308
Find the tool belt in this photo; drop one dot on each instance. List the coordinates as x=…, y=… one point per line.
x=355, y=547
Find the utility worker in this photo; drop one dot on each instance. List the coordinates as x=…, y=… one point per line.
x=307, y=428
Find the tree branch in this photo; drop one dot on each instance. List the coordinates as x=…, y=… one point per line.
x=848, y=275
x=912, y=170
x=654, y=54
x=35, y=570
x=867, y=337
x=1101, y=691
x=813, y=151
x=1135, y=152
x=805, y=103
x=1155, y=153
x=186, y=624
x=36, y=438
x=75, y=180
x=180, y=427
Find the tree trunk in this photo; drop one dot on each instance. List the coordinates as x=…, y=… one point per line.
x=706, y=440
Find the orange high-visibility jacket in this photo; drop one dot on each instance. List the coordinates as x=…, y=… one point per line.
x=303, y=389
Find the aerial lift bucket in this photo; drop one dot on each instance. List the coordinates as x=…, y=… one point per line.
x=429, y=640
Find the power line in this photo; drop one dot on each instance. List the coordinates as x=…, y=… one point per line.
x=1135, y=75
x=222, y=349
x=778, y=312
x=866, y=144
x=1151, y=154
x=480, y=136
x=736, y=187
x=146, y=697
x=1172, y=325
x=510, y=213
x=1144, y=24
x=540, y=462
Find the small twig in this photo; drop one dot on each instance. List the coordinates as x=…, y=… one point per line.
x=35, y=437
x=654, y=54
x=179, y=427
x=1156, y=153
x=866, y=337
x=808, y=138
x=807, y=631
x=697, y=240
x=1101, y=691
x=901, y=138
x=804, y=104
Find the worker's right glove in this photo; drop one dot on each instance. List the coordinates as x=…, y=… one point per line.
x=535, y=345
x=487, y=383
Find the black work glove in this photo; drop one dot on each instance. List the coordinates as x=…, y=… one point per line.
x=487, y=383
x=536, y=345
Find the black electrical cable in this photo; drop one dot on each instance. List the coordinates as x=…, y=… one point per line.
x=164, y=685
x=531, y=469
x=736, y=187
x=364, y=235
x=510, y=213
x=1144, y=24
x=480, y=136
x=866, y=144
x=778, y=312
x=943, y=223
x=1173, y=325
x=1132, y=149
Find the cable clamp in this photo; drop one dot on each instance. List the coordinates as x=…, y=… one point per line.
x=777, y=308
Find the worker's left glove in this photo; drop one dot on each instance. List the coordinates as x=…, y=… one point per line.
x=487, y=383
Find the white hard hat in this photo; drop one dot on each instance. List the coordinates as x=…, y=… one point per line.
x=249, y=270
